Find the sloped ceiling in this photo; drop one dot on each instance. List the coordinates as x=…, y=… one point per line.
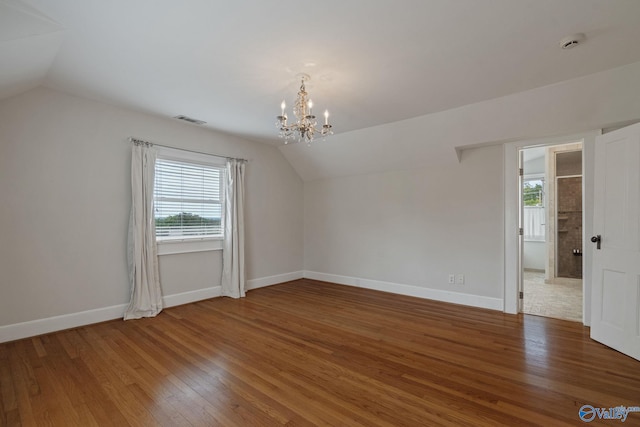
x=29, y=42
x=371, y=62
x=567, y=110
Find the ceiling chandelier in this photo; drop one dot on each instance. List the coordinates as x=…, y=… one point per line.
x=306, y=127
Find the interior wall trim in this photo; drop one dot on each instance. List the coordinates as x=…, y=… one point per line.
x=272, y=280
x=410, y=290
x=58, y=323
x=73, y=320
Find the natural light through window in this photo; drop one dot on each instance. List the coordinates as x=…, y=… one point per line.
x=534, y=213
x=188, y=200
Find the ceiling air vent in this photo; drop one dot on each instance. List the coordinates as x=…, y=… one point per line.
x=190, y=120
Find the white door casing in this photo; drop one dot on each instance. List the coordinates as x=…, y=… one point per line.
x=615, y=315
x=511, y=212
x=521, y=231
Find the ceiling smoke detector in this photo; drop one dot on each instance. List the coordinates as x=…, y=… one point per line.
x=572, y=41
x=190, y=120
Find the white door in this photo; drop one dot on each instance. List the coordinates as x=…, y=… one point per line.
x=615, y=317
x=521, y=232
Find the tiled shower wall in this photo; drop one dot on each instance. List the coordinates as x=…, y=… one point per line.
x=569, y=196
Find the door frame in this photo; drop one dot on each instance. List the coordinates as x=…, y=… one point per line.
x=511, y=215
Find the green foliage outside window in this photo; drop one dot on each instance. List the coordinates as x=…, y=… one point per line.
x=532, y=193
x=186, y=221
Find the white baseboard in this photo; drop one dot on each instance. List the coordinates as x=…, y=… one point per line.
x=73, y=320
x=273, y=280
x=66, y=321
x=191, y=296
x=409, y=290
x=58, y=323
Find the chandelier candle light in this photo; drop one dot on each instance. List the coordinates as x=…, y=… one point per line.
x=306, y=127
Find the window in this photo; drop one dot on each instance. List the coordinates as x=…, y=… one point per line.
x=533, y=192
x=188, y=197
x=534, y=213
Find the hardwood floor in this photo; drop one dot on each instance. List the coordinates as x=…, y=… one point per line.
x=313, y=353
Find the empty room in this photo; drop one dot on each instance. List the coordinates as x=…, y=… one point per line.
x=355, y=213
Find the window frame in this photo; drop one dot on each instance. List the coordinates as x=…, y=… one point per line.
x=186, y=244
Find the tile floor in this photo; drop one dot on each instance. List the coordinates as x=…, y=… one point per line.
x=561, y=299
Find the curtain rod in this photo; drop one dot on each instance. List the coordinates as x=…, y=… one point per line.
x=151, y=144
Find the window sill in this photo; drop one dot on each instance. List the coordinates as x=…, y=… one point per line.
x=170, y=247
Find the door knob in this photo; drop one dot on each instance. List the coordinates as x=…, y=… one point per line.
x=597, y=239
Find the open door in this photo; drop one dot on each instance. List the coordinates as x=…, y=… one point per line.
x=520, y=231
x=615, y=316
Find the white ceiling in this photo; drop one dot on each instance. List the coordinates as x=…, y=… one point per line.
x=533, y=153
x=371, y=62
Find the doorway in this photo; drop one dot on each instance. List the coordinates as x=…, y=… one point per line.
x=551, y=197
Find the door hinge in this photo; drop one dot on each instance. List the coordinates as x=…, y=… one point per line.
x=521, y=295
x=521, y=231
x=521, y=171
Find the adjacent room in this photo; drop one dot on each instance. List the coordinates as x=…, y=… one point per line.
x=356, y=213
x=552, y=222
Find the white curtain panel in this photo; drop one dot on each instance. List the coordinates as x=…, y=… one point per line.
x=233, y=281
x=146, y=295
x=534, y=218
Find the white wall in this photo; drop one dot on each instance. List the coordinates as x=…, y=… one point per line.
x=535, y=254
x=432, y=220
x=65, y=191
x=411, y=229
x=535, y=166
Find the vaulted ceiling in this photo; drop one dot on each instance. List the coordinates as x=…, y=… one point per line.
x=371, y=62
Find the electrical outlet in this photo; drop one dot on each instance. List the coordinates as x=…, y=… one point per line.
x=460, y=279
x=452, y=279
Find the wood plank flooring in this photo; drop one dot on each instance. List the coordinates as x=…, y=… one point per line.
x=311, y=353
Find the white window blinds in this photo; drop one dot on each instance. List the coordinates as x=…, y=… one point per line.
x=188, y=200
